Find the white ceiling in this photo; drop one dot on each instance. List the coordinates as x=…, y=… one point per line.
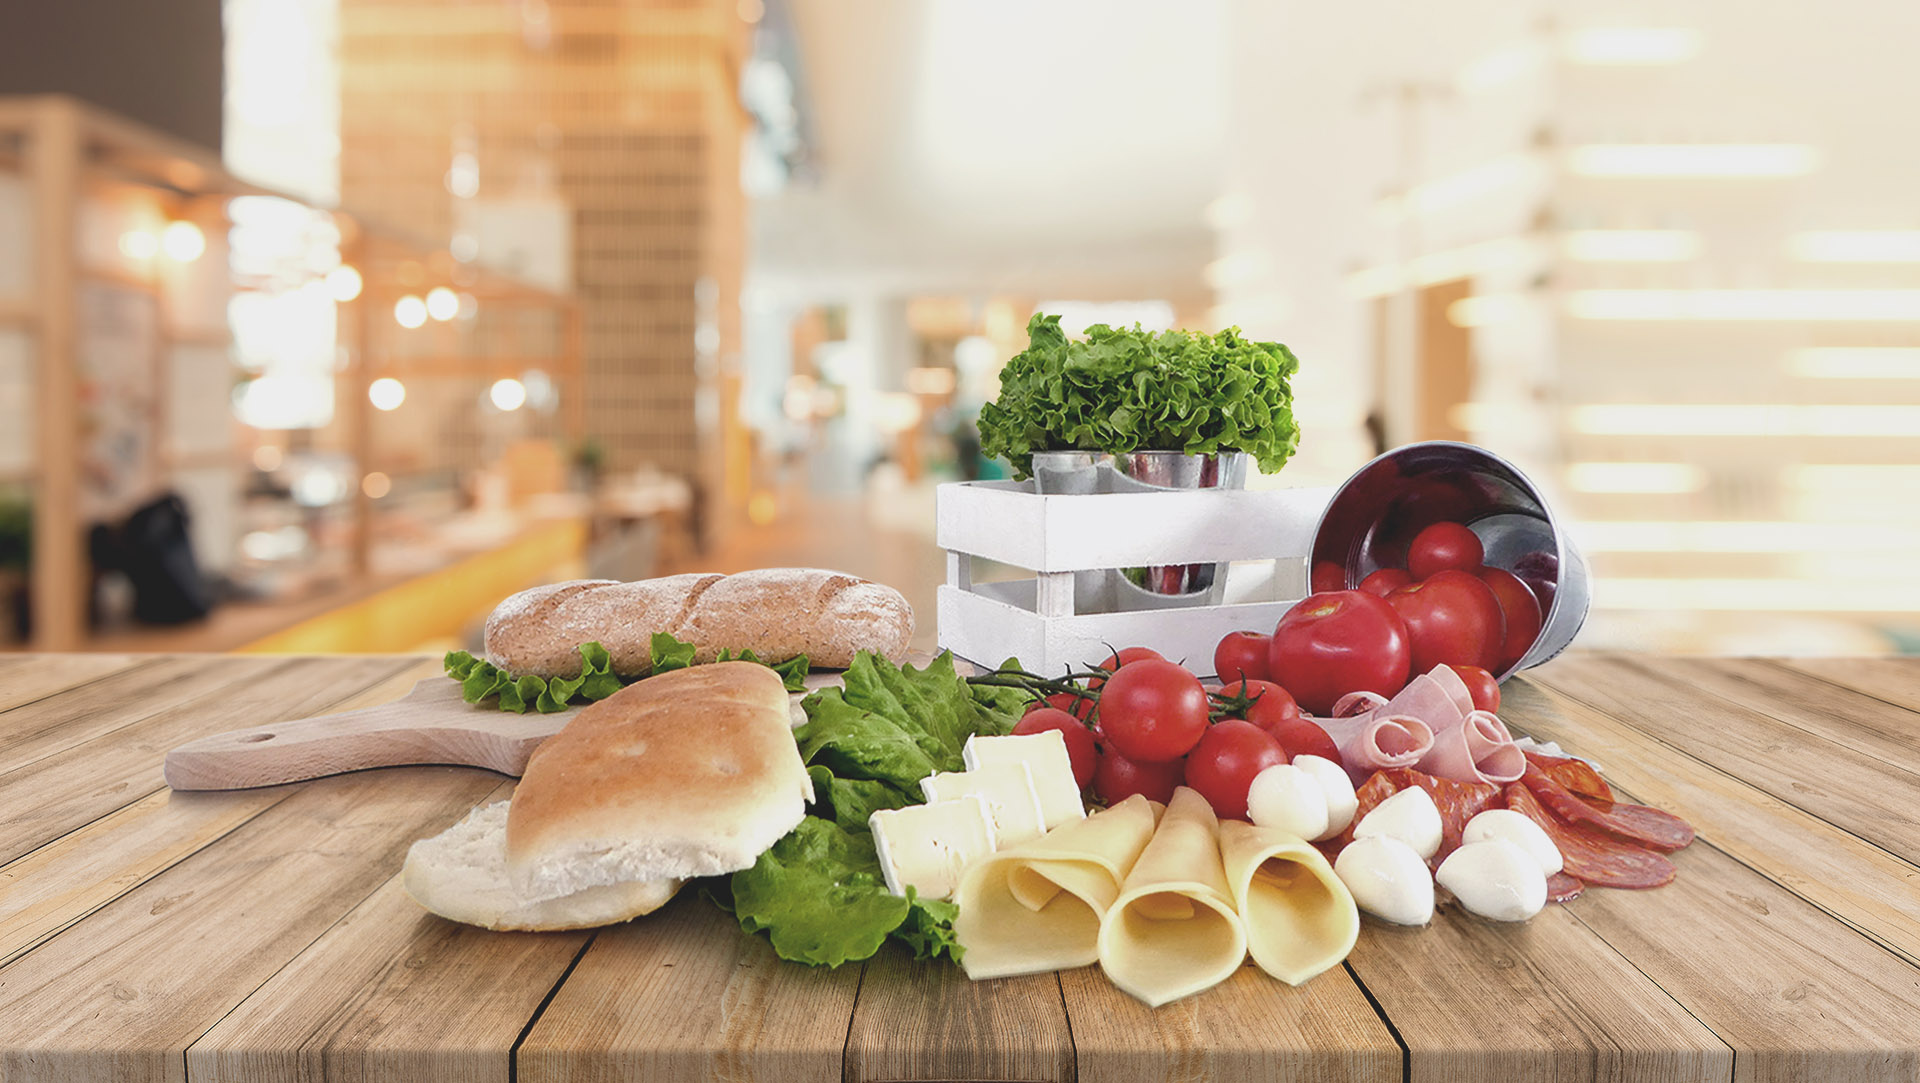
x=1056, y=147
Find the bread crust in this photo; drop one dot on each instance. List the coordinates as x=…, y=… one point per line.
x=690, y=773
x=778, y=613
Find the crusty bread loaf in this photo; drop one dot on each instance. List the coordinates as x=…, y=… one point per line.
x=461, y=874
x=777, y=613
x=689, y=773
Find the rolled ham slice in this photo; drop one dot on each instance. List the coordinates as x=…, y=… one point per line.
x=1376, y=740
x=1478, y=748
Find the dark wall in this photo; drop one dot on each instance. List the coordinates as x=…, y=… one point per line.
x=157, y=61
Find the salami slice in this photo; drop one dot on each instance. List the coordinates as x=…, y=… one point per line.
x=1589, y=855
x=1562, y=888
x=1366, y=798
x=1458, y=802
x=1637, y=824
x=1577, y=776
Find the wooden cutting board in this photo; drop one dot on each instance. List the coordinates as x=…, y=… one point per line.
x=430, y=724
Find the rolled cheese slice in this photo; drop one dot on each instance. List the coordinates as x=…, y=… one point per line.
x=1300, y=919
x=1037, y=906
x=1173, y=930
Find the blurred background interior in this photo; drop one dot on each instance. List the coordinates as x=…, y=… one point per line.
x=324, y=324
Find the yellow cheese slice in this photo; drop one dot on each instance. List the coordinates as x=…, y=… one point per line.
x=1037, y=906
x=1173, y=930
x=1299, y=917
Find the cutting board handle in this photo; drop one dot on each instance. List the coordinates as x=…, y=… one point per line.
x=431, y=724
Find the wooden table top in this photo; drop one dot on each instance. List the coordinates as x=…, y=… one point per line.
x=263, y=934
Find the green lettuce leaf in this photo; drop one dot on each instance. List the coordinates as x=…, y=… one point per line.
x=850, y=801
x=898, y=724
x=928, y=928
x=669, y=654
x=1132, y=390
x=819, y=895
x=481, y=680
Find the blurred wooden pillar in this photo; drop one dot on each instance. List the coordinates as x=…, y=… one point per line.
x=358, y=409
x=59, y=573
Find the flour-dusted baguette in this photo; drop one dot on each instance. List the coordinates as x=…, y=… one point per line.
x=777, y=613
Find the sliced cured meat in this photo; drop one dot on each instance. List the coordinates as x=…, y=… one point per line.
x=1371, y=742
x=1367, y=796
x=1562, y=888
x=1589, y=855
x=1476, y=748
x=1578, y=776
x=1637, y=824
x=1458, y=802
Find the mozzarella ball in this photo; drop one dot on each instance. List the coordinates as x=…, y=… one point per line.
x=1387, y=879
x=1341, y=803
x=1500, y=823
x=1410, y=816
x=1286, y=798
x=1496, y=879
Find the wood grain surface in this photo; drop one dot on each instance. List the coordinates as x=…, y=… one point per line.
x=148, y=934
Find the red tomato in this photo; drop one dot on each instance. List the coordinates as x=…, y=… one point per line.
x=1271, y=704
x=1223, y=764
x=1116, y=778
x=1242, y=656
x=1153, y=710
x=1386, y=581
x=1080, y=750
x=1304, y=737
x=1339, y=642
x=1328, y=576
x=1451, y=618
x=1067, y=702
x=1522, y=611
x=1481, y=686
x=1442, y=546
x=1121, y=657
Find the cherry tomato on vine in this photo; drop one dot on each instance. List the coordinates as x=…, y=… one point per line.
x=1125, y=656
x=1221, y=767
x=1153, y=710
x=1064, y=701
x=1080, y=747
x=1242, y=656
x=1116, y=778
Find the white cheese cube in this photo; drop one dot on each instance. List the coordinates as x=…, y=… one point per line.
x=1045, y=754
x=1007, y=789
x=928, y=847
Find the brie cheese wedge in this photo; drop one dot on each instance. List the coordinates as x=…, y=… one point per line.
x=1045, y=755
x=1007, y=789
x=929, y=847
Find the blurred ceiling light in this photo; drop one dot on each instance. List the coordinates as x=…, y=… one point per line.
x=974, y=354
x=1874, y=478
x=464, y=247
x=138, y=244
x=1229, y=211
x=386, y=393
x=442, y=303
x=1679, y=419
x=268, y=545
x=1631, y=245
x=1077, y=316
x=1486, y=310
x=285, y=401
x=1779, y=595
x=183, y=242
x=1632, y=45
x=376, y=485
x=1600, y=477
x=541, y=392
x=463, y=176
x=267, y=458
x=1500, y=174
x=1726, y=536
x=469, y=306
x=508, y=394
x=1856, y=362
x=1692, y=160
x=931, y=381
x=318, y=486
x=1443, y=266
x=896, y=411
x=410, y=312
x=1857, y=246
x=1846, y=305
x=1498, y=68
x=344, y=283
x=1237, y=269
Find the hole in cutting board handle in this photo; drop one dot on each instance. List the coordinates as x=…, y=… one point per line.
x=255, y=738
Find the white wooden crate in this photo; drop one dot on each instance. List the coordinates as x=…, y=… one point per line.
x=1267, y=533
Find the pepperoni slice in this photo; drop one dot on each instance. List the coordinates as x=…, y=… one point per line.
x=1562, y=888
x=1458, y=802
x=1589, y=855
x=1577, y=776
x=1368, y=797
x=1637, y=824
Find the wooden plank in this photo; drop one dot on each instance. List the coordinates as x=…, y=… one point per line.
x=123, y=994
x=25, y=678
x=1895, y=680
x=55, y=723
x=52, y=887
x=1861, y=884
x=684, y=995
x=72, y=788
x=391, y=993
x=1798, y=995
x=1480, y=1002
x=1869, y=797
x=928, y=1021
x=1249, y=1027
x=58, y=578
x=1858, y=721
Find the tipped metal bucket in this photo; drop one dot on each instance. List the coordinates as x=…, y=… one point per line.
x=1374, y=516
